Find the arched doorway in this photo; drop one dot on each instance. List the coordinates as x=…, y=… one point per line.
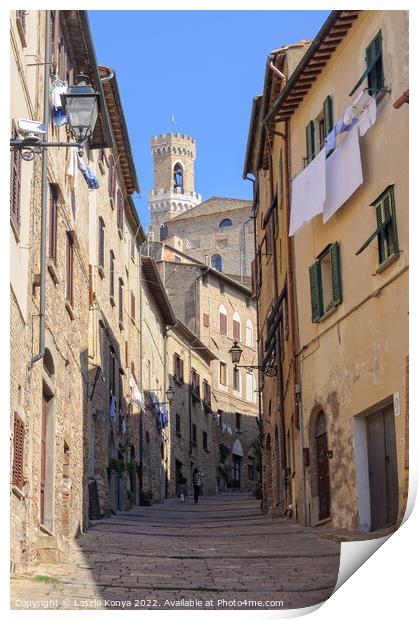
x=322, y=462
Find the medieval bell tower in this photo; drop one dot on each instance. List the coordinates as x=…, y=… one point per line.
x=173, y=193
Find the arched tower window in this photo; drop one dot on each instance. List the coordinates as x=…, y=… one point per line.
x=226, y=222
x=178, y=177
x=216, y=262
x=320, y=426
x=163, y=232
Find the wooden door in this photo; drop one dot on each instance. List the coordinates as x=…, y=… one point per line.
x=236, y=471
x=382, y=465
x=323, y=476
x=43, y=455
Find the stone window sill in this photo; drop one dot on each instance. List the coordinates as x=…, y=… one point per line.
x=18, y=492
x=326, y=315
x=101, y=271
x=389, y=261
x=70, y=310
x=45, y=530
x=52, y=268
x=15, y=228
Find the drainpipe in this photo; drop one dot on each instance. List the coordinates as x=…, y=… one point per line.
x=43, y=249
x=247, y=178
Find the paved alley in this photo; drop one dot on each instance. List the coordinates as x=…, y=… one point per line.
x=220, y=554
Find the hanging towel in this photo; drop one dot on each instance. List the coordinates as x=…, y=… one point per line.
x=112, y=409
x=135, y=392
x=308, y=192
x=343, y=173
x=58, y=88
x=368, y=116
x=340, y=127
x=89, y=176
x=72, y=167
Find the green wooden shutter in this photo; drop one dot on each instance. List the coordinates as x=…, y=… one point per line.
x=328, y=114
x=316, y=291
x=310, y=141
x=336, y=282
x=374, y=61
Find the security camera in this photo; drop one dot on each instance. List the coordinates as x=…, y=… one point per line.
x=31, y=129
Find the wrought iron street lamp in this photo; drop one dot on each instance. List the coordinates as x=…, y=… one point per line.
x=80, y=105
x=169, y=394
x=236, y=352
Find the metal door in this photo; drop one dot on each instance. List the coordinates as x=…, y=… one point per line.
x=323, y=476
x=382, y=465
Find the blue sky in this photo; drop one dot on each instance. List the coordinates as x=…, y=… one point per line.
x=202, y=66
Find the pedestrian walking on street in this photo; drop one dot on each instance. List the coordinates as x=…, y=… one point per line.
x=182, y=488
x=197, y=483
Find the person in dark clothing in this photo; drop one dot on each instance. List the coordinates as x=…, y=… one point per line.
x=197, y=483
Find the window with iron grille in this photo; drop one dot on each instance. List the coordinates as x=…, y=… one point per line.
x=15, y=183
x=69, y=269
x=53, y=223
x=386, y=231
x=18, y=451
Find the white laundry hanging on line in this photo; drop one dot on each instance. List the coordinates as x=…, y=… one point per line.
x=343, y=173
x=72, y=167
x=308, y=193
x=368, y=116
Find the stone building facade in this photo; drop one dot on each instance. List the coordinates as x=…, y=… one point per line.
x=349, y=270
x=190, y=413
x=218, y=233
x=115, y=236
x=49, y=385
x=219, y=310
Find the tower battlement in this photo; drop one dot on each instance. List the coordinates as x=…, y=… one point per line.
x=174, y=191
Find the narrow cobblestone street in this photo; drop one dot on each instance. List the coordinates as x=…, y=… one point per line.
x=166, y=555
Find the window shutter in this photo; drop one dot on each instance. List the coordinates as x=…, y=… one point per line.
x=253, y=267
x=328, y=114
x=18, y=451
x=206, y=320
x=181, y=368
x=15, y=188
x=111, y=177
x=315, y=290
x=132, y=305
x=336, y=282
x=236, y=330
x=310, y=141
